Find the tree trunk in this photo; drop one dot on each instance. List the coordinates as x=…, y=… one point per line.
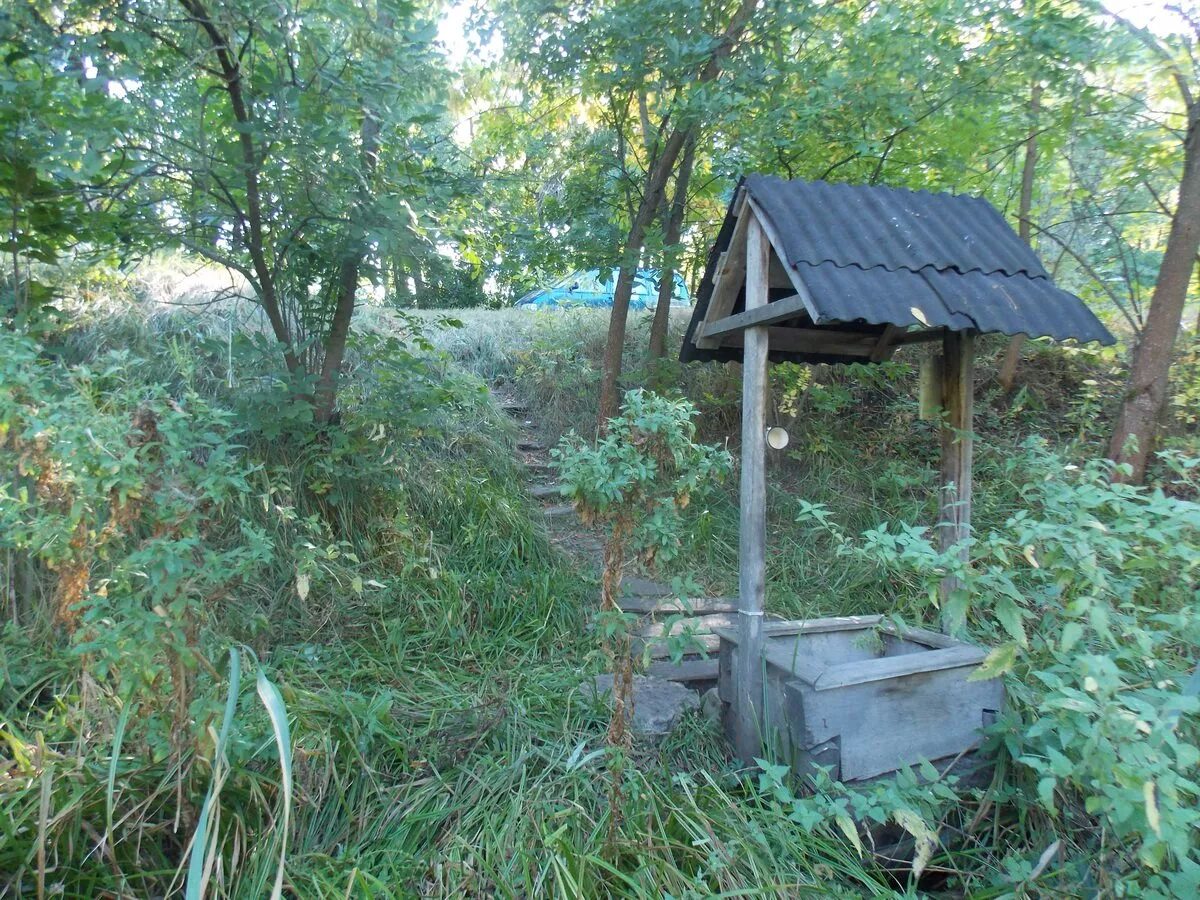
x=231, y=74
x=1008, y=371
x=656, y=182
x=325, y=400
x=673, y=231
x=1149, y=373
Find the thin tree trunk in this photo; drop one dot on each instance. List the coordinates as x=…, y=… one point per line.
x=674, y=230
x=656, y=182
x=232, y=76
x=1150, y=371
x=325, y=401
x=1008, y=371
x=16, y=260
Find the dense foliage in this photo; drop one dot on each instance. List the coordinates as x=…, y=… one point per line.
x=279, y=613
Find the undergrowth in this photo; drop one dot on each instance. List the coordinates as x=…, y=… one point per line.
x=166, y=503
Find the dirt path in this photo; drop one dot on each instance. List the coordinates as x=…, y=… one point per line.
x=660, y=612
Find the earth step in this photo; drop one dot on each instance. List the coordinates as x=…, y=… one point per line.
x=685, y=670
x=659, y=649
x=562, y=509
x=633, y=586
x=530, y=446
x=698, y=624
x=534, y=466
x=666, y=606
x=542, y=491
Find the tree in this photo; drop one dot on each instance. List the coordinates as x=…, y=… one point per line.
x=59, y=158
x=297, y=156
x=673, y=216
x=1149, y=373
x=653, y=188
x=635, y=481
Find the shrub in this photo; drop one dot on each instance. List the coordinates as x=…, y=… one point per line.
x=1091, y=592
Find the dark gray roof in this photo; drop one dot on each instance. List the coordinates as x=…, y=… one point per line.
x=870, y=255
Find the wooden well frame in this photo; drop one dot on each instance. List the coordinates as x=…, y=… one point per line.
x=754, y=259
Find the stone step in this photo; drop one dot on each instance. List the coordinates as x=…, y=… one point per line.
x=514, y=408
x=560, y=510
x=530, y=446
x=636, y=586
x=543, y=491
x=667, y=606
x=685, y=670
x=658, y=703
x=698, y=624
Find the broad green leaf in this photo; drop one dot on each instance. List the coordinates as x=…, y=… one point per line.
x=996, y=663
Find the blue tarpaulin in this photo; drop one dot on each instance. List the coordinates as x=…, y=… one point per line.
x=594, y=288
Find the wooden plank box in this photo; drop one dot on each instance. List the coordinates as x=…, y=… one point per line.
x=854, y=694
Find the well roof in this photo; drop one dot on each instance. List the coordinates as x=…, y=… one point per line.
x=872, y=256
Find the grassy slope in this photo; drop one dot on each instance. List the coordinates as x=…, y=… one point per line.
x=440, y=746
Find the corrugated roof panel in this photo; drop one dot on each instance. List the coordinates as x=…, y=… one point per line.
x=996, y=303
x=894, y=228
x=884, y=255
x=847, y=294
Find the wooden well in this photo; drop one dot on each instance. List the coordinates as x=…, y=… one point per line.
x=819, y=273
x=857, y=696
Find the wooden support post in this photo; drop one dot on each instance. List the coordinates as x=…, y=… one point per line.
x=954, y=501
x=748, y=694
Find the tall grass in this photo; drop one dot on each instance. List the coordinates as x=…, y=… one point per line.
x=429, y=672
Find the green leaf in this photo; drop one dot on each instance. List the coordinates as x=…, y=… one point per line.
x=1010, y=616
x=850, y=830
x=999, y=661
x=271, y=699
x=1071, y=634
x=201, y=840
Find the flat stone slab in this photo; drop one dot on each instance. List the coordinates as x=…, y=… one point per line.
x=563, y=509
x=633, y=586
x=544, y=491
x=658, y=704
x=686, y=669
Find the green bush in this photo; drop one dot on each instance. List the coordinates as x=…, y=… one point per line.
x=1090, y=590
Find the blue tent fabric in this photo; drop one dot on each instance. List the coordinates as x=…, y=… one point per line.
x=594, y=288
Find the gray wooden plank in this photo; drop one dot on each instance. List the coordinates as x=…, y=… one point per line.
x=686, y=670
x=891, y=667
x=666, y=606
x=730, y=272
x=810, y=340
x=778, y=311
x=954, y=500
x=660, y=650
x=698, y=624
x=752, y=528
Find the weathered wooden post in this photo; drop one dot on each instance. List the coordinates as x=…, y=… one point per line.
x=954, y=501
x=753, y=525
